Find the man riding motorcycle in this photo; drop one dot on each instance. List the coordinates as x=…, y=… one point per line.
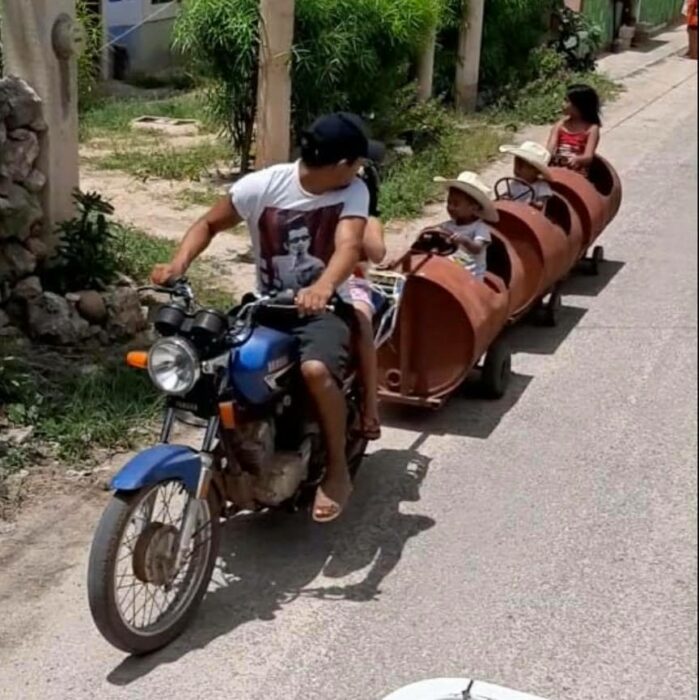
x=322, y=195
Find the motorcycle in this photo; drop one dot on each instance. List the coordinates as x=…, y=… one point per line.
x=156, y=545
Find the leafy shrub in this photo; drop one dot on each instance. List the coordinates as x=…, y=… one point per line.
x=222, y=39
x=85, y=258
x=512, y=30
x=346, y=54
x=541, y=101
x=89, y=59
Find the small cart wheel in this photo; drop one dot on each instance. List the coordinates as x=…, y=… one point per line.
x=596, y=260
x=550, y=311
x=497, y=371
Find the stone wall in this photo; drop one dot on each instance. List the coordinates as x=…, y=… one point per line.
x=26, y=308
x=22, y=245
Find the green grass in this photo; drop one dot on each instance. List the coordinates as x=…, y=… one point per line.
x=113, y=116
x=409, y=184
x=541, y=102
x=197, y=198
x=138, y=253
x=75, y=403
x=167, y=162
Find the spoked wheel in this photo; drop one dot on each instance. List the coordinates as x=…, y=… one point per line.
x=140, y=597
x=497, y=370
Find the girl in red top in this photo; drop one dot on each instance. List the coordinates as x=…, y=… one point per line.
x=574, y=139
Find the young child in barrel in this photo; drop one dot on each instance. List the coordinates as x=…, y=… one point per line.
x=531, y=174
x=471, y=208
x=575, y=138
x=363, y=302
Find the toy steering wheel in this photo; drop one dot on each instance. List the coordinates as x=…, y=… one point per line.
x=504, y=187
x=435, y=242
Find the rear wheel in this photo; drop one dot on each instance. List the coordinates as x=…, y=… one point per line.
x=596, y=260
x=140, y=599
x=497, y=370
x=550, y=311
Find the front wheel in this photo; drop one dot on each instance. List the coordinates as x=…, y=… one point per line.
x=140, y=597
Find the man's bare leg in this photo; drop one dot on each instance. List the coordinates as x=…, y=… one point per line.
x=336, y=489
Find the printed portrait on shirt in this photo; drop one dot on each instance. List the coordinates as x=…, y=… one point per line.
x=296, y=246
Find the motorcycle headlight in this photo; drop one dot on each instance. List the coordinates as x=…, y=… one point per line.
x=174, y=366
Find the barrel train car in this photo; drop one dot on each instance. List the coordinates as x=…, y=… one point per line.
x=447, y=321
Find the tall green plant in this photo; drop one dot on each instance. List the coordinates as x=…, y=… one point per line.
x=221, y=37
x=89, y=59
x=347, y=54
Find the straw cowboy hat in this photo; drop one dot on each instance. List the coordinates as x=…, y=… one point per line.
x=474, y=187
x=533, y=153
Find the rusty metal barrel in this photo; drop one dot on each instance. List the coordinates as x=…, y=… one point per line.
x=608, y=185
x=447, y=321
x=586, y=200
x=563, y=214
x=541, y=253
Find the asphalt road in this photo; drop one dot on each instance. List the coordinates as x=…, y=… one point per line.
x=545, y=543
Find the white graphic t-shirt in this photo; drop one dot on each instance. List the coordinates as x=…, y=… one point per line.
x=293, y=231
x=476, y=232
x=520, y=191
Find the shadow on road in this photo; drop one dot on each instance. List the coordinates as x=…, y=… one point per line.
x=580, y=284
x=268, y=562
x=467, y=414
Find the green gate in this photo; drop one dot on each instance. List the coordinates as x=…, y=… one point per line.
x=656, y=12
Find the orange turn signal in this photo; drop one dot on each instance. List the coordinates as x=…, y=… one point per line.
x=226, y=411
x=137, y=359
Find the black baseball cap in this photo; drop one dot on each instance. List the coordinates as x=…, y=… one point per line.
x=336, y=137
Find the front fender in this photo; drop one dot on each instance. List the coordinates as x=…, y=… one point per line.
x=158, y=464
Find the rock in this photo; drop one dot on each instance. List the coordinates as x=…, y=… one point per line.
x=38, y=248
x=73, y=298
x=125, y=315
x=35, y=181
x=23, y=102
x=3, y=132
x=51, y=319
x=27, y=289
x=10, y=332
x=19, y=155
x=17, y=436
x=19, y=212
x=5, y=290
x=15, y=261
x=124, y=280
x=91, y=307
x=405, y=151
x=4, y=319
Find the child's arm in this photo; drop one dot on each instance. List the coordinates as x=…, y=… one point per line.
x=472, y=246
x=585, y=160
x=374, y=245
x=554, y=136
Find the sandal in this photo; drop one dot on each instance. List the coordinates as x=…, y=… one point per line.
x=325, y=509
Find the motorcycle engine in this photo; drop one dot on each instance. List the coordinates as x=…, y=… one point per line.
x=277, y=476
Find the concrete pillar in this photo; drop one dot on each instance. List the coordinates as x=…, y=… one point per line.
x=40, y=41
x=425, y=67
x=274, y=88
x=469, y=56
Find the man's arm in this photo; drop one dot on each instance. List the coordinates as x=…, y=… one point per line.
x=348, y=248
x=221, y=217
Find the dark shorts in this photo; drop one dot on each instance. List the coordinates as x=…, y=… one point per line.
x=324, y=338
